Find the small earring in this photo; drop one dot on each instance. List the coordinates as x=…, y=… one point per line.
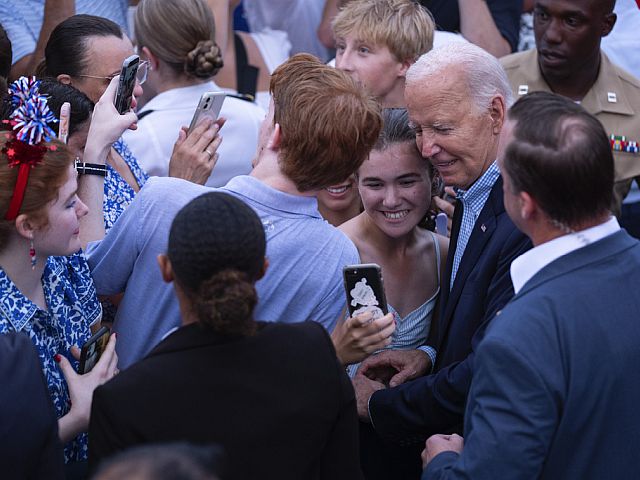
x=32, y=254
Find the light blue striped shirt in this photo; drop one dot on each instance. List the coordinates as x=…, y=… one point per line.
x=473, y=201
x=22, y=20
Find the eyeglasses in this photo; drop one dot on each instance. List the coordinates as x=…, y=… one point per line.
x=141, y=74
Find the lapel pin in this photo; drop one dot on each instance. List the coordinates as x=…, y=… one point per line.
x=483, y=228
x=612, y=97
x=523, y=89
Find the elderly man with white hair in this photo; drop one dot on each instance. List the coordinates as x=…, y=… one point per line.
x=457, y=97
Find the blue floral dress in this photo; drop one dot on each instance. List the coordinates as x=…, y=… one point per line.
x=118, y=194
x=72, y=308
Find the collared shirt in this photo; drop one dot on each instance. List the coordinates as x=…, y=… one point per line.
x=528, y=264
x=614, y=99
x=152, y=143
x=72, y=308
x=303, y=282
x=473, y=201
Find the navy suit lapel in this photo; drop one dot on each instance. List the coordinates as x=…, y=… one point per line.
x=455, y=230
x=482, y=231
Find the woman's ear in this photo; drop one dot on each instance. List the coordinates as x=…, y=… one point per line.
x=64, y=79
x=265, y=266
x=165, y=268
x=149, y=55
x=25, y=227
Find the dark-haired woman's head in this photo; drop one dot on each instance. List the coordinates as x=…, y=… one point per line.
x=85, y=51
x=216, y=253
x=81, y=110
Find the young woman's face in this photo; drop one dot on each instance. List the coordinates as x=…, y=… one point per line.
x=395, y=188
x=61, y=235
x=78, y=139
x=341, y=197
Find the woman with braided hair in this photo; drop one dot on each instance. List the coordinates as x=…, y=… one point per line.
x=177, y=38
x=273, y=395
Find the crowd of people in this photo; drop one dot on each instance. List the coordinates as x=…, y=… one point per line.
x=214, y=251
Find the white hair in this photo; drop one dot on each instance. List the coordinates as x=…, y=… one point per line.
x=483, y=73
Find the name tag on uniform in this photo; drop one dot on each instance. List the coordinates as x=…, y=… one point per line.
x=523, y=89
x=612, y=97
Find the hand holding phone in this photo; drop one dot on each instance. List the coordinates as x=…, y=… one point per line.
x=126, y=84
x=364, y=289
x=209, y=106
x=92, y=350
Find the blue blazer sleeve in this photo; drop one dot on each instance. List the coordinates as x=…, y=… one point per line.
x=435, y=403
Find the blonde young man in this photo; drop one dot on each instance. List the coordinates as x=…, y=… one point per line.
x=378, y=40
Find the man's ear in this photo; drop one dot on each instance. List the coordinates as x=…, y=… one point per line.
x=608, y=22
x=25, y=226
x=528, y=205
x=275, y=137
x=497, y=111
x=64, y=79
x=165, y=268
x=404, y=67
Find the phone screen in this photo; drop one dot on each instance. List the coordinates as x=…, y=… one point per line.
x=92, y=350
x=364, y=289
x=126, y=84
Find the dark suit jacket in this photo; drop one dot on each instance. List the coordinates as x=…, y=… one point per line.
x=279, y=402
x=435, y=403
x=555, y=393
x=29, y=443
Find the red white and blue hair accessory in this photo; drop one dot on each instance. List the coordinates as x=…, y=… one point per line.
x=29, y=130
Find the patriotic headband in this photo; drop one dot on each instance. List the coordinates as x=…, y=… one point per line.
x=28, y=131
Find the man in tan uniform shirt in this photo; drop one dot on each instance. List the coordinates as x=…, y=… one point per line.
x=568, y=61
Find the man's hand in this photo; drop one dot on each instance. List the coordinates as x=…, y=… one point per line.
x=408, y=364
x=364, y=387
x=437, y=444
x=447, y=207
x=358, y=337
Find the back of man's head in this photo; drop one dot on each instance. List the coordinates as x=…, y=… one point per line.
x=404, y=26
x=561, y=156
x=479, y=70
x=328, y=124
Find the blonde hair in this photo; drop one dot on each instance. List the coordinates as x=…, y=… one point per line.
x=180, y=33
x=404, y=26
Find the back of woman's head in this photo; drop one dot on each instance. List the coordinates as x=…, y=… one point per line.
x=58, y=93
x=216, y=248
x=65, y=52
x=181, y=33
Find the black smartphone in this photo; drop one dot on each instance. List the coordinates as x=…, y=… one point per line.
x=209, y=106
x=126, y=84
x=92, y=350
x=365, y=290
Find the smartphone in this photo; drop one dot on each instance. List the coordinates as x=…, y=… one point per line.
x=209, y=106
x=92, y=350
x=126, y=84
x=365, y=290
